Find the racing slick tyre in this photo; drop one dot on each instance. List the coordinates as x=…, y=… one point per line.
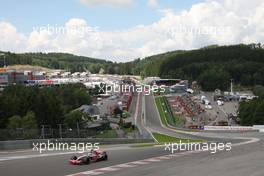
x=73, y=157
x=87, y=160
x=105, y=157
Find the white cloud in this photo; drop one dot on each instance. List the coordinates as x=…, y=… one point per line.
x=153, y=3
x=107, y=2
x=210, y=22
x=10, y=38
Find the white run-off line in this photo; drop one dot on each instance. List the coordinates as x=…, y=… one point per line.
x=37, y=155
x=118, y=167
x=34, y=156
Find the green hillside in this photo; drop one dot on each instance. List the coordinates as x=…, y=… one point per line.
x=65, y=61
x=212, y=67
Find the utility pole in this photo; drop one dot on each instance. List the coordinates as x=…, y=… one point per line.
x=4, y=61
x=42, y=132
x=60, y=131
x=231, y=87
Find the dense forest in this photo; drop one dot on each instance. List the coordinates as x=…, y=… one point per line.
x=212, y=66
x=252, y=112
x=64, y=61
x=40, y=106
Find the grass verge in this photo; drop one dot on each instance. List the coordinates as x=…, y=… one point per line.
x=162, y=138
x=107, y=134
x=166, y=115
x=143, y=145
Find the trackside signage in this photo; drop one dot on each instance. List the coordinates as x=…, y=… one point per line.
x=3, y=78
x=228, y=128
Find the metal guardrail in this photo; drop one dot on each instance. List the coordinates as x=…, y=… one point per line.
x=23, y=134
x=28, y=144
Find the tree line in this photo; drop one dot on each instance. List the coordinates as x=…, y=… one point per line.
x=252, y=112
x=31, y=107
x=212, y=66
x=68, y=62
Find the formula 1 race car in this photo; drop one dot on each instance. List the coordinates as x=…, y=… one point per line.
x=93, y=155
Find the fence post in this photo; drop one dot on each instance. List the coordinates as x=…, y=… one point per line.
x=60, y=131
x=42, y=132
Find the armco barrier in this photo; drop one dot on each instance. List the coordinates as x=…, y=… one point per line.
x=28, y=144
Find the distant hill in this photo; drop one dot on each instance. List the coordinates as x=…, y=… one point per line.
x=64, y=61
x=148, y=66
x=214, y=67
x=211, y=66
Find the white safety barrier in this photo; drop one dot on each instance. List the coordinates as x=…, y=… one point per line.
x=229, y=128
x=259, y=127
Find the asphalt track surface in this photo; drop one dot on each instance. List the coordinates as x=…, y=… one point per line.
x=136, y=109
x=242, y=160
x=58, y=164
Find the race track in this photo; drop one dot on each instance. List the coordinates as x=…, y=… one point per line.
x=245, y=159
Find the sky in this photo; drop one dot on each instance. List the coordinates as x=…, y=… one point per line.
x=123, y=30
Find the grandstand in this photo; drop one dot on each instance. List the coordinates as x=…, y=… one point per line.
x=192, y=108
